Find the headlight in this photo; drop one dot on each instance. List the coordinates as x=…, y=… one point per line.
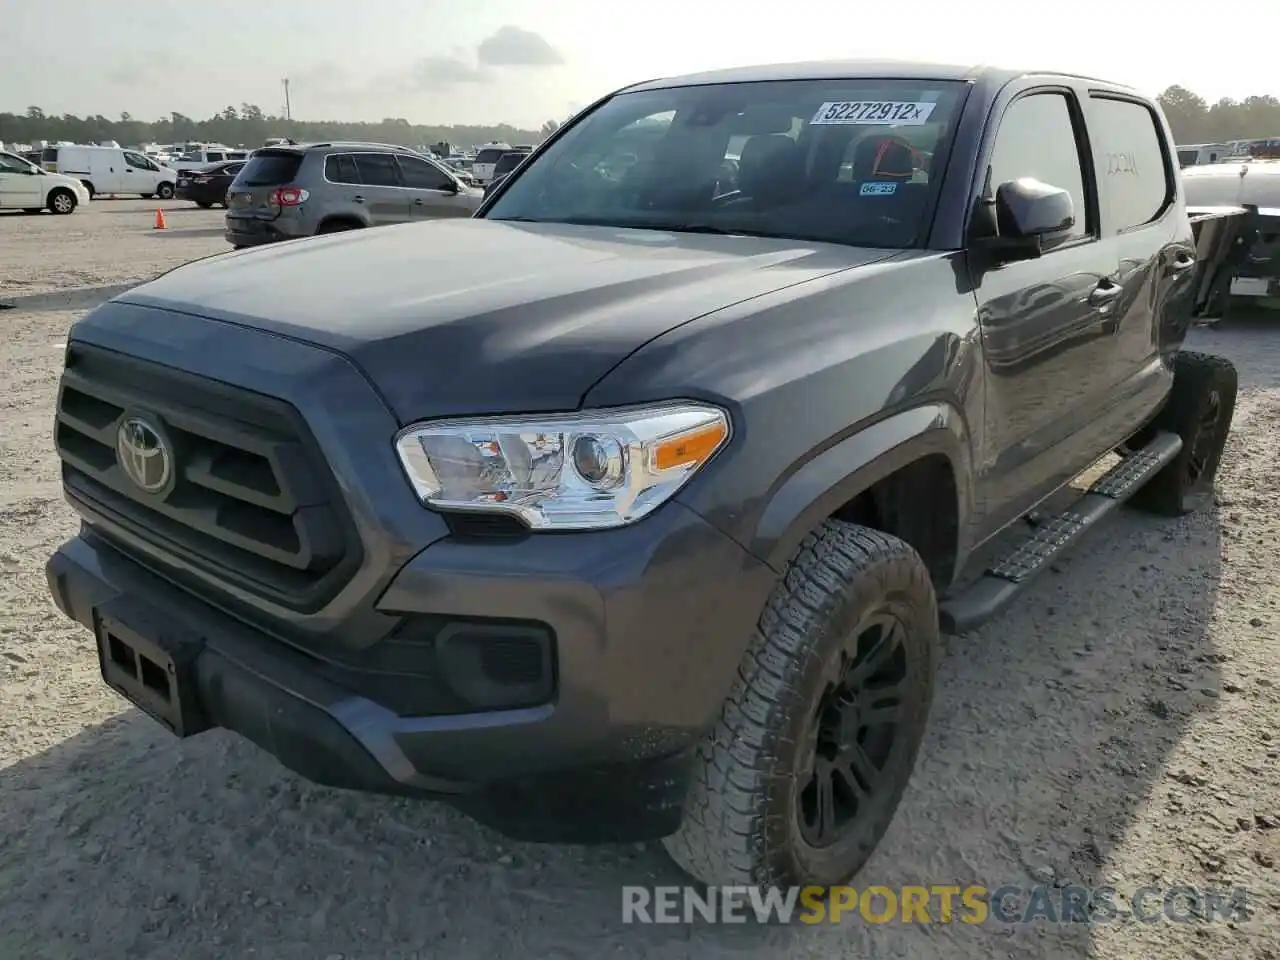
x=601, y=468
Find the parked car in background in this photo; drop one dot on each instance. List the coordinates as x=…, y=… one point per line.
x=111, y=170
x=487, y=160
x=208, y=186
x=24, y=186
x=287, y=192
x=1245, y=182
x=506, y=163
x=199, y=159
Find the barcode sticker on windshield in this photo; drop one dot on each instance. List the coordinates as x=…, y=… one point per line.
x=874, y=112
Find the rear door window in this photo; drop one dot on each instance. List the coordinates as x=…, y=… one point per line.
x=1129, y=158
x=378, y=169
x=341, y=168
x=270, y=169
x=421, y=175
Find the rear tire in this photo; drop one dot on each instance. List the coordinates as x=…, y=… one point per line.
x=844, y=654
x=62, y=201
x=89, y=186
x=147, y=196
x=165, y=191
x=204, y=204
x=1199, y=410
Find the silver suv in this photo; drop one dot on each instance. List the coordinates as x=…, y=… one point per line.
x=298, y=190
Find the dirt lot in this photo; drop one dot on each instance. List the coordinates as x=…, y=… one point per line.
x=1119, y=726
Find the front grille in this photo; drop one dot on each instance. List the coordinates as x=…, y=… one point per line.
x=252, y=501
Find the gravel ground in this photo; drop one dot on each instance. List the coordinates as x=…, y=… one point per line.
x=1118, y=726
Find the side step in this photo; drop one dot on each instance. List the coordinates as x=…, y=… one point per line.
x=1053, y=535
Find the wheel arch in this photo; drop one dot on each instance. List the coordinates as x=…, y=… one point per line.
x=334, y=218
x=885, y=476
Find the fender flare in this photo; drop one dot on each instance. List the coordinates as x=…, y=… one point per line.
x=845, y=469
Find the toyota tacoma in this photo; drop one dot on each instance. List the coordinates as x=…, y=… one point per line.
x=651, y=533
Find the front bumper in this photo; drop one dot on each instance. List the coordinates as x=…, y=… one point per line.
x=650, y=624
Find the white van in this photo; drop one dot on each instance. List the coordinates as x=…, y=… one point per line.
x=199, y=159
x=24, y=186
x=110, y=170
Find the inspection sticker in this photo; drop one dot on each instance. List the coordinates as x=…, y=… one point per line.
x=874, y=189
x=874, y=112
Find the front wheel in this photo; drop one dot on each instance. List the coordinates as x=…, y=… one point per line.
x=165, y=191
x=801, y=776
x=62, y=201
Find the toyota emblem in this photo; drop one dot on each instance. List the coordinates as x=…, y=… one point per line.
x=144, y=455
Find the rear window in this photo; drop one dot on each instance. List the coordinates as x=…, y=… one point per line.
x=508, y=162
x=270, y=169
x=489, y=156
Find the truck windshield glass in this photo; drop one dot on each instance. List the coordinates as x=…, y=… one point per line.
x=841, y=161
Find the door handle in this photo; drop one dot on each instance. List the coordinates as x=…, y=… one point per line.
x=1183, y=261
x=418, y=202
x=1104, y=293
x=358, y=199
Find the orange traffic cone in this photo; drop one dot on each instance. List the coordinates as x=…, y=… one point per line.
x=160, y=224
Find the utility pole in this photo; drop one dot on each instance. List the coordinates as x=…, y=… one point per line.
x=287, y=113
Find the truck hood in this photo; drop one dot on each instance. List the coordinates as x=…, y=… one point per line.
x=482, y=316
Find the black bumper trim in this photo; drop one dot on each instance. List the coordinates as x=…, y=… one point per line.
x=263, y=690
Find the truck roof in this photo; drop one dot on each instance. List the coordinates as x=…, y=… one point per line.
x=871, y=69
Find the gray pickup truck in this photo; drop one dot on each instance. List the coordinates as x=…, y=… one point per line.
x=651, y=533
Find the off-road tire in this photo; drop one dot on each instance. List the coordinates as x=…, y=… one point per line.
x=1200, y=382
x=740, y=819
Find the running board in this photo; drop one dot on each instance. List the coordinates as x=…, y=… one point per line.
x=1053, y=535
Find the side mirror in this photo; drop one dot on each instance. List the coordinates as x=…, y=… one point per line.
x=1031, y=218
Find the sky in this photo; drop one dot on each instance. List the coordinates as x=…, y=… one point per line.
x=495, y=61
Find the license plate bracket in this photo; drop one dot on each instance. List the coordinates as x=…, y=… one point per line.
x=152, y=668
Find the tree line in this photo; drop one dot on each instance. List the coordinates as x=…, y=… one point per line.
x=248, y=126
x=1192, y=118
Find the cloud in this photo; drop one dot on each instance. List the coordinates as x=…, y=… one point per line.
x=444, y=71
x=513, y=47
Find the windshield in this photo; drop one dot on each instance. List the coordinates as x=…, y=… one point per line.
x=840, y=161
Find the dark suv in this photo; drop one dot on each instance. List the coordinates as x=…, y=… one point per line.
x=653, y=532
x=286, y=192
